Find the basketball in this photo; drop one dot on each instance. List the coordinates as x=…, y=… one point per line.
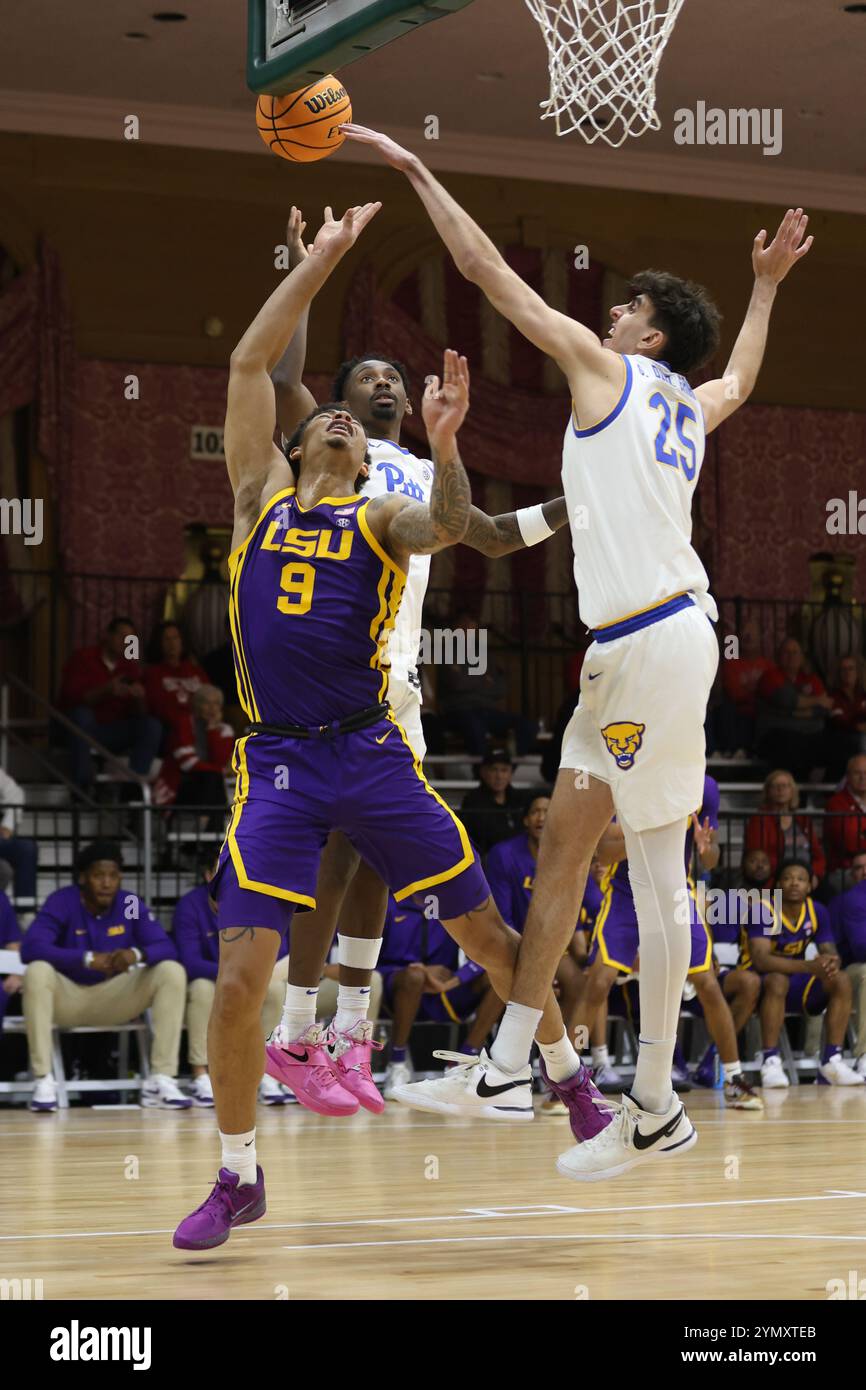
x=305, y=125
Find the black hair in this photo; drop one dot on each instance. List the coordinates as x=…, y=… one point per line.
x=345, y=369
x=685, y=314
x=120, y=620
x=297, y=438
x=154, y=646
x=96, y=850
x=794, y=863
x=533, y=796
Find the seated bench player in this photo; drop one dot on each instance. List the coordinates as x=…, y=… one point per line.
x=197, y=945
x=848, y=920
x=424, y=980
x=10, y=940
x=776, y=948
x=615, y=948
x=95, y=954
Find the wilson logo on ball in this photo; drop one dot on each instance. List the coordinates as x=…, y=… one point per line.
x=305, y=125
x=318, y=103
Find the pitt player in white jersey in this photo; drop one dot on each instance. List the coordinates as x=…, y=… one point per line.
x=350, y=896
x=635, y=745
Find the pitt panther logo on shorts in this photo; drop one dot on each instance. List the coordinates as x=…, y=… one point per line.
x=623, y=741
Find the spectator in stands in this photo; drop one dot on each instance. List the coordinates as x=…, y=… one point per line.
x=493, y=810
x=735, y=716
x=103, y=693
x=199, y=755
x=195, y=937
x=472, y=697
x=423, y=979
x=510, y=870
x=16, y=850
x=848, y=920
x=780, y=832
x=776, y=949
x=10, y=940
x=97, y=955
x=845, y=822
x=792, y=713
x=171, y=677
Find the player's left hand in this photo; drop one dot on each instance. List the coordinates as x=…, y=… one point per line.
x=439, y=979
x=391, y=152
x=334, y=238
x=787, y=247
x=123, y=960
x=295, y=238
x=444, y=406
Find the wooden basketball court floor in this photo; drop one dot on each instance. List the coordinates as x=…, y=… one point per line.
x=411, y=1206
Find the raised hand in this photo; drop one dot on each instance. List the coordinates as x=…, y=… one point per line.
x=445, y=405
x=391, y=152
x=295, y=238
x=787, y=247
x=703, y=835
x=334, y=238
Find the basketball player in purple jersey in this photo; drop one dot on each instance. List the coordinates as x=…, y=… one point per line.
x=316, y=576
x=632, y=455
x=351, y=897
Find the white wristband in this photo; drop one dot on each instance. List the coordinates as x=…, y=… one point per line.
x=533, y=527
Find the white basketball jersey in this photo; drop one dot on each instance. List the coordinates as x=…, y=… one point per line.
x=394, y=469
x=628, y=482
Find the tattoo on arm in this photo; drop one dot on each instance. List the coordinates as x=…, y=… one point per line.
x=421, y=530
x=501, y=535
x=231, y=934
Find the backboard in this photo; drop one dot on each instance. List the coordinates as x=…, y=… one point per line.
x=293, y=44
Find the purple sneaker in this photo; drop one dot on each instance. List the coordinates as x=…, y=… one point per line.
x=579, y=1095
x=228, y=1205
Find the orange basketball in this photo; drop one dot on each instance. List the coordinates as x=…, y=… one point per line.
x=305, y=125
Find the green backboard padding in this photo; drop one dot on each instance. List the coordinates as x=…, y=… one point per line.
x=324, y=39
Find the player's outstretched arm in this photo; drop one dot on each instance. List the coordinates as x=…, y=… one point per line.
x=771, y=264
x=294, y=401
x=413, y=528
x=251, y=454
x=502, y=535
x=569, y=343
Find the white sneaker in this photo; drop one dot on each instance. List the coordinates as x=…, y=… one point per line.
x=44, y=1094
x=163, y=1093
x=632, y=1137
x=773, y=1073
x=271, y=1092
x=474, y=1087
x=606, y=1076
x=201, y=1091
x=398, y=1074
x=860, y=1065
x=837, y=1072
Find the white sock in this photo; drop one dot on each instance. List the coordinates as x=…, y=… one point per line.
x=731, y=1069
x=513, y=1042
x=656, y=869
x=353, y=1001
x=560, y=1059
x=600, y=1056
x=239, y=1154
x=299, y=1009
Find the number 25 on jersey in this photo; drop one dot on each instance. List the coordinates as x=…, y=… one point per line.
x=665, y=453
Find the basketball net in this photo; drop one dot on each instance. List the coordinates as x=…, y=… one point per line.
x=603, y=57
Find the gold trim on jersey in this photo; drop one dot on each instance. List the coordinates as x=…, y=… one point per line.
x=468, y=851
x=281, y=492
x=236, y=563
x=447, y=1006
x=392, y=583
x=242, y=787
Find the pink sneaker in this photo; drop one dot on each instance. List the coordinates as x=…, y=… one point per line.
x=304, y=1065
x=350, y=1059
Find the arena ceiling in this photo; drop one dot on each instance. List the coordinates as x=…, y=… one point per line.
x=70, y=69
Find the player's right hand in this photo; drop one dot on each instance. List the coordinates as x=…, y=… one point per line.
x=295, y=238
x=444, y=406
x=335, y=238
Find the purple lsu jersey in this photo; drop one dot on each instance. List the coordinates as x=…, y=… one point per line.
x=510, y=869
x=410, y=936
x=63, y=930
x=789, y=937
x=615, y=936
x=313, y=599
